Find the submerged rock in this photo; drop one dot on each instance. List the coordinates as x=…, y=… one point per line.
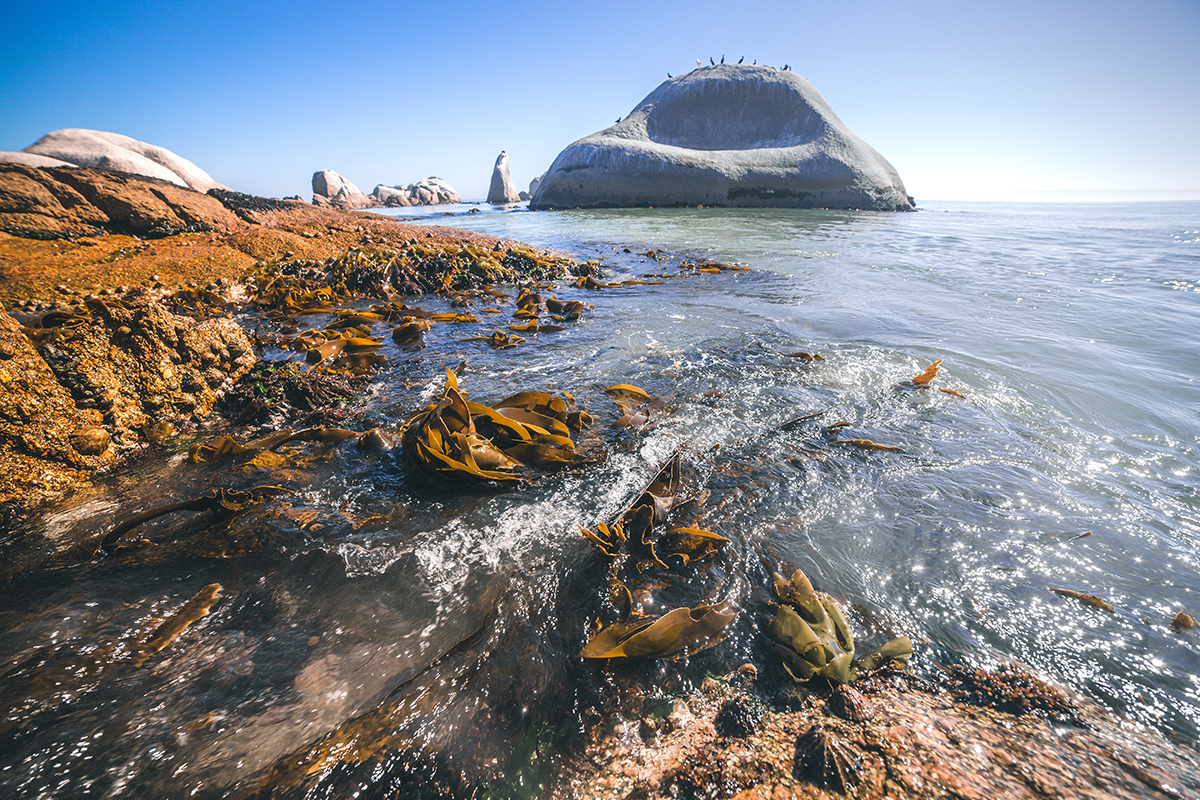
x=727, y=135
x=111, y=151
x=502, y=190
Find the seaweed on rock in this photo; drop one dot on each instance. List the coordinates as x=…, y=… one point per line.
x=812, y=638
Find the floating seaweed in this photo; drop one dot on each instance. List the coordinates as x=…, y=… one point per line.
x=534, y=327
x=174, y=625
x=1090, y=599
x=928, y=375
x=223, y=446
x=635, y=531
x=813, y=639
x=867, y=444
x=565, y=310
x=679, y=633
x=410, y=329
x=499, y=340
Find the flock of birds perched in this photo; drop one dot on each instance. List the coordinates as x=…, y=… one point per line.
x=711, y=62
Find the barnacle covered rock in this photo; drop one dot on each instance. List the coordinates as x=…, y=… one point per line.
x=813, y=639
x=740, y=715
x=825, y=760
x=849, y=704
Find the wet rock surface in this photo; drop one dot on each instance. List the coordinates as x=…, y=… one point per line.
x=920, y=742
x=136, y=362
x=113, y=368
x=38, y=426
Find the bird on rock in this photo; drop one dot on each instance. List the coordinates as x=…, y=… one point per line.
x=722, y=58
x=710, y=61
x=740, y=60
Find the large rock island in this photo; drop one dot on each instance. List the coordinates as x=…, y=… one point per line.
x=727, y=135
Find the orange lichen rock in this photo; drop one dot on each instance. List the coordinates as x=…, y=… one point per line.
x=926, y=377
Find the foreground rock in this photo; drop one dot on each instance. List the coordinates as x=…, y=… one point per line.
x=502, y=189
x=98, y=384
x=330, y=188
x=87, y=262
x=55, y=202
x=728, y=135
x=111, y=151
x=895, y=740
x=429, y=192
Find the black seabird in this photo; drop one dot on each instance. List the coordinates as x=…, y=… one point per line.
x=740, y=60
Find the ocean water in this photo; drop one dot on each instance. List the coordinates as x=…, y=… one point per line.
x=421, y=629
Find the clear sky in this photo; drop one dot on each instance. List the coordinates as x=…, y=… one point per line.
x=968, y=100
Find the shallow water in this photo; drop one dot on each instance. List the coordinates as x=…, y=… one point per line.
x=453, y=621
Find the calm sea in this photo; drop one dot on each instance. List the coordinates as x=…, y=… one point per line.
x=1067, y=460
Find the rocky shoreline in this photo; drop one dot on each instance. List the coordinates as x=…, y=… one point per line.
x=115, y=288
x=116, y=333
x=893, y=737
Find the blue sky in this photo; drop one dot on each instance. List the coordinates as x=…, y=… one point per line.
x=967, y=100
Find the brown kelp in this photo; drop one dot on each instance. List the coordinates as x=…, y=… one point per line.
x=635, y=537
x=456, y=440
x=813, y=639
x=638, y=531
x=679, y=633
x=173, y=626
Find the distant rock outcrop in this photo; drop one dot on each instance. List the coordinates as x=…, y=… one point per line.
x=111, y=151
x=502, y=189
x=429, y=192
x=331, y=189
x=725, y=135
